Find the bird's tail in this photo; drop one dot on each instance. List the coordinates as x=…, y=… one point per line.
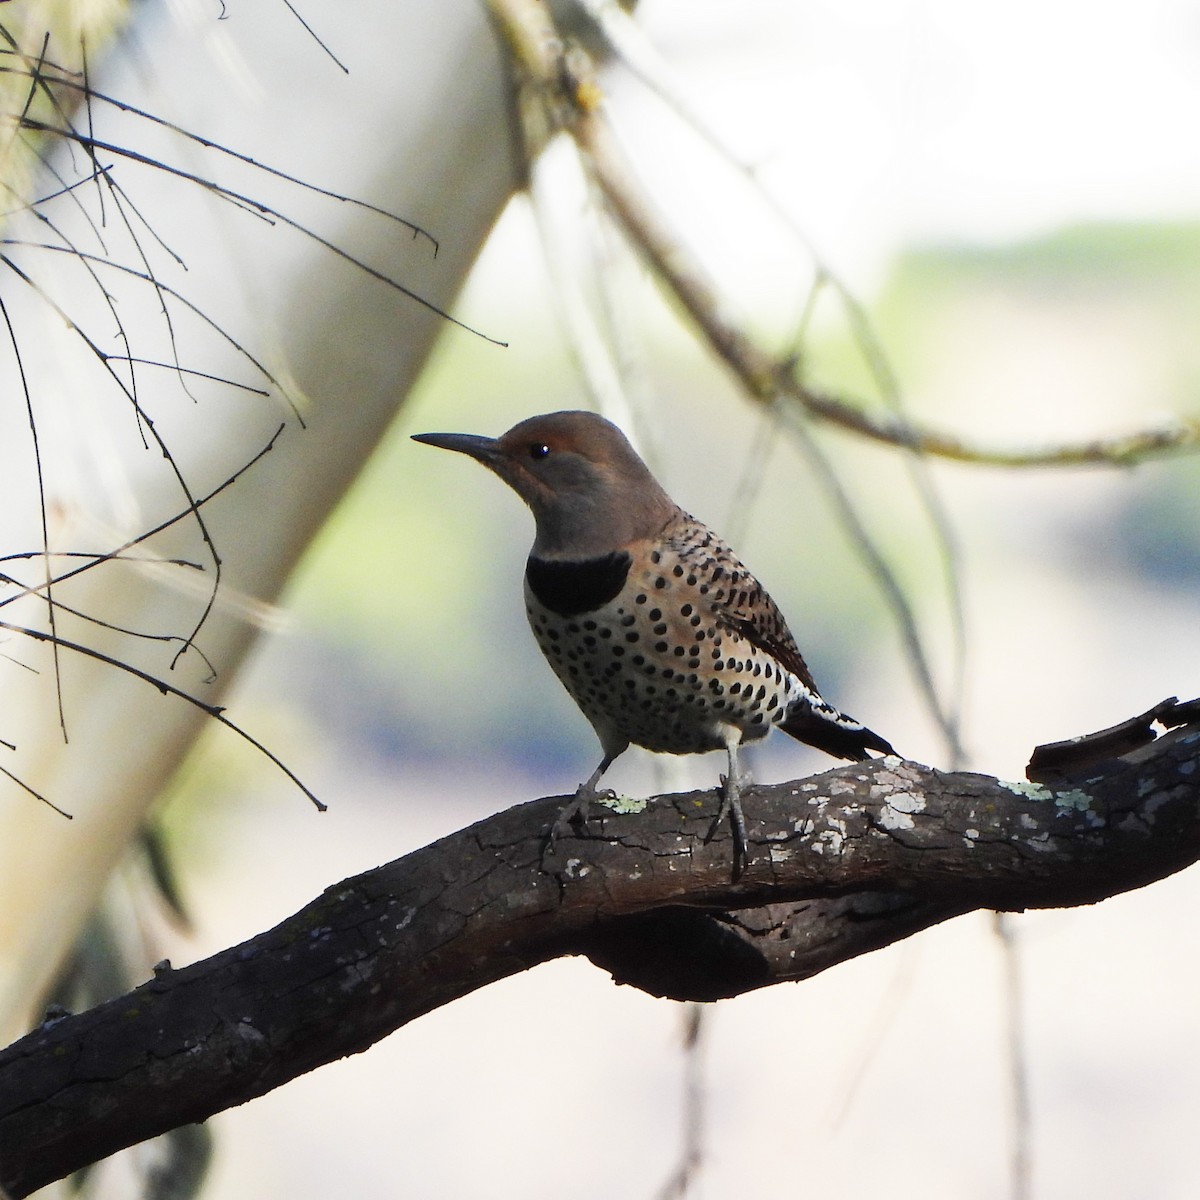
x=835, y=733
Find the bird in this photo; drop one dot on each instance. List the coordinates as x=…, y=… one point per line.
x=660, y=634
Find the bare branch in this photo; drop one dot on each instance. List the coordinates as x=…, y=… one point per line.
x=842, y=863
x=573, y=102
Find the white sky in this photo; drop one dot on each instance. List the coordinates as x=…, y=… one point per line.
x=881, y=122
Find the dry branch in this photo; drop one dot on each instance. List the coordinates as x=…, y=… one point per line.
x=842, y=863
x=558, y=74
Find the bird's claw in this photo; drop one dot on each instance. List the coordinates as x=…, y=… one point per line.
x=731, y=807
x=574, y=814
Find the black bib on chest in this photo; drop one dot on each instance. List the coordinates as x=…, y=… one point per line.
x=568, y=587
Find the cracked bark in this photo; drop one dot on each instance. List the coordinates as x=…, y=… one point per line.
x=842, y=863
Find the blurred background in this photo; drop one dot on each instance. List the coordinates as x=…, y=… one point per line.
x=1012, y=198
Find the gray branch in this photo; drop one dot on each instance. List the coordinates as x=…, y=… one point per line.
x=841, y=863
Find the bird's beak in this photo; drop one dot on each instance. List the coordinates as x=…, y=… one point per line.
x=483, y=449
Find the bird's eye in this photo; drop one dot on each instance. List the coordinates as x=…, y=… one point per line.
x=538, y=450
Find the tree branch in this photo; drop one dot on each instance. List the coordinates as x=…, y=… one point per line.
x=841, y=863
x=560, y=72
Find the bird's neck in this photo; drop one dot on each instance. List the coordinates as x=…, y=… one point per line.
x=582, y=535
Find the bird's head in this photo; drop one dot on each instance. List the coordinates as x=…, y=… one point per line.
x=588, y=490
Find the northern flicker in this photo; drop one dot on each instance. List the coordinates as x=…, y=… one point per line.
x=660, y=634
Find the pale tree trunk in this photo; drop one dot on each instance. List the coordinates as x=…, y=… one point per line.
x=435, y=122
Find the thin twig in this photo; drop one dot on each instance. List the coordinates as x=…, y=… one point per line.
x=215, y=711
x=1021, y=1174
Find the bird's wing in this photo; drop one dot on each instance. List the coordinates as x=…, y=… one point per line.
x=778, y=643
x=745, y=608
x=734, y=597
x=752, y=613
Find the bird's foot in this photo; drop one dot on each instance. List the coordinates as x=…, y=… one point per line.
x=574, y=815
x=731, y=807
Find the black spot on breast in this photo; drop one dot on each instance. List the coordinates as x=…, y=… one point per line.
x=568, y=588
